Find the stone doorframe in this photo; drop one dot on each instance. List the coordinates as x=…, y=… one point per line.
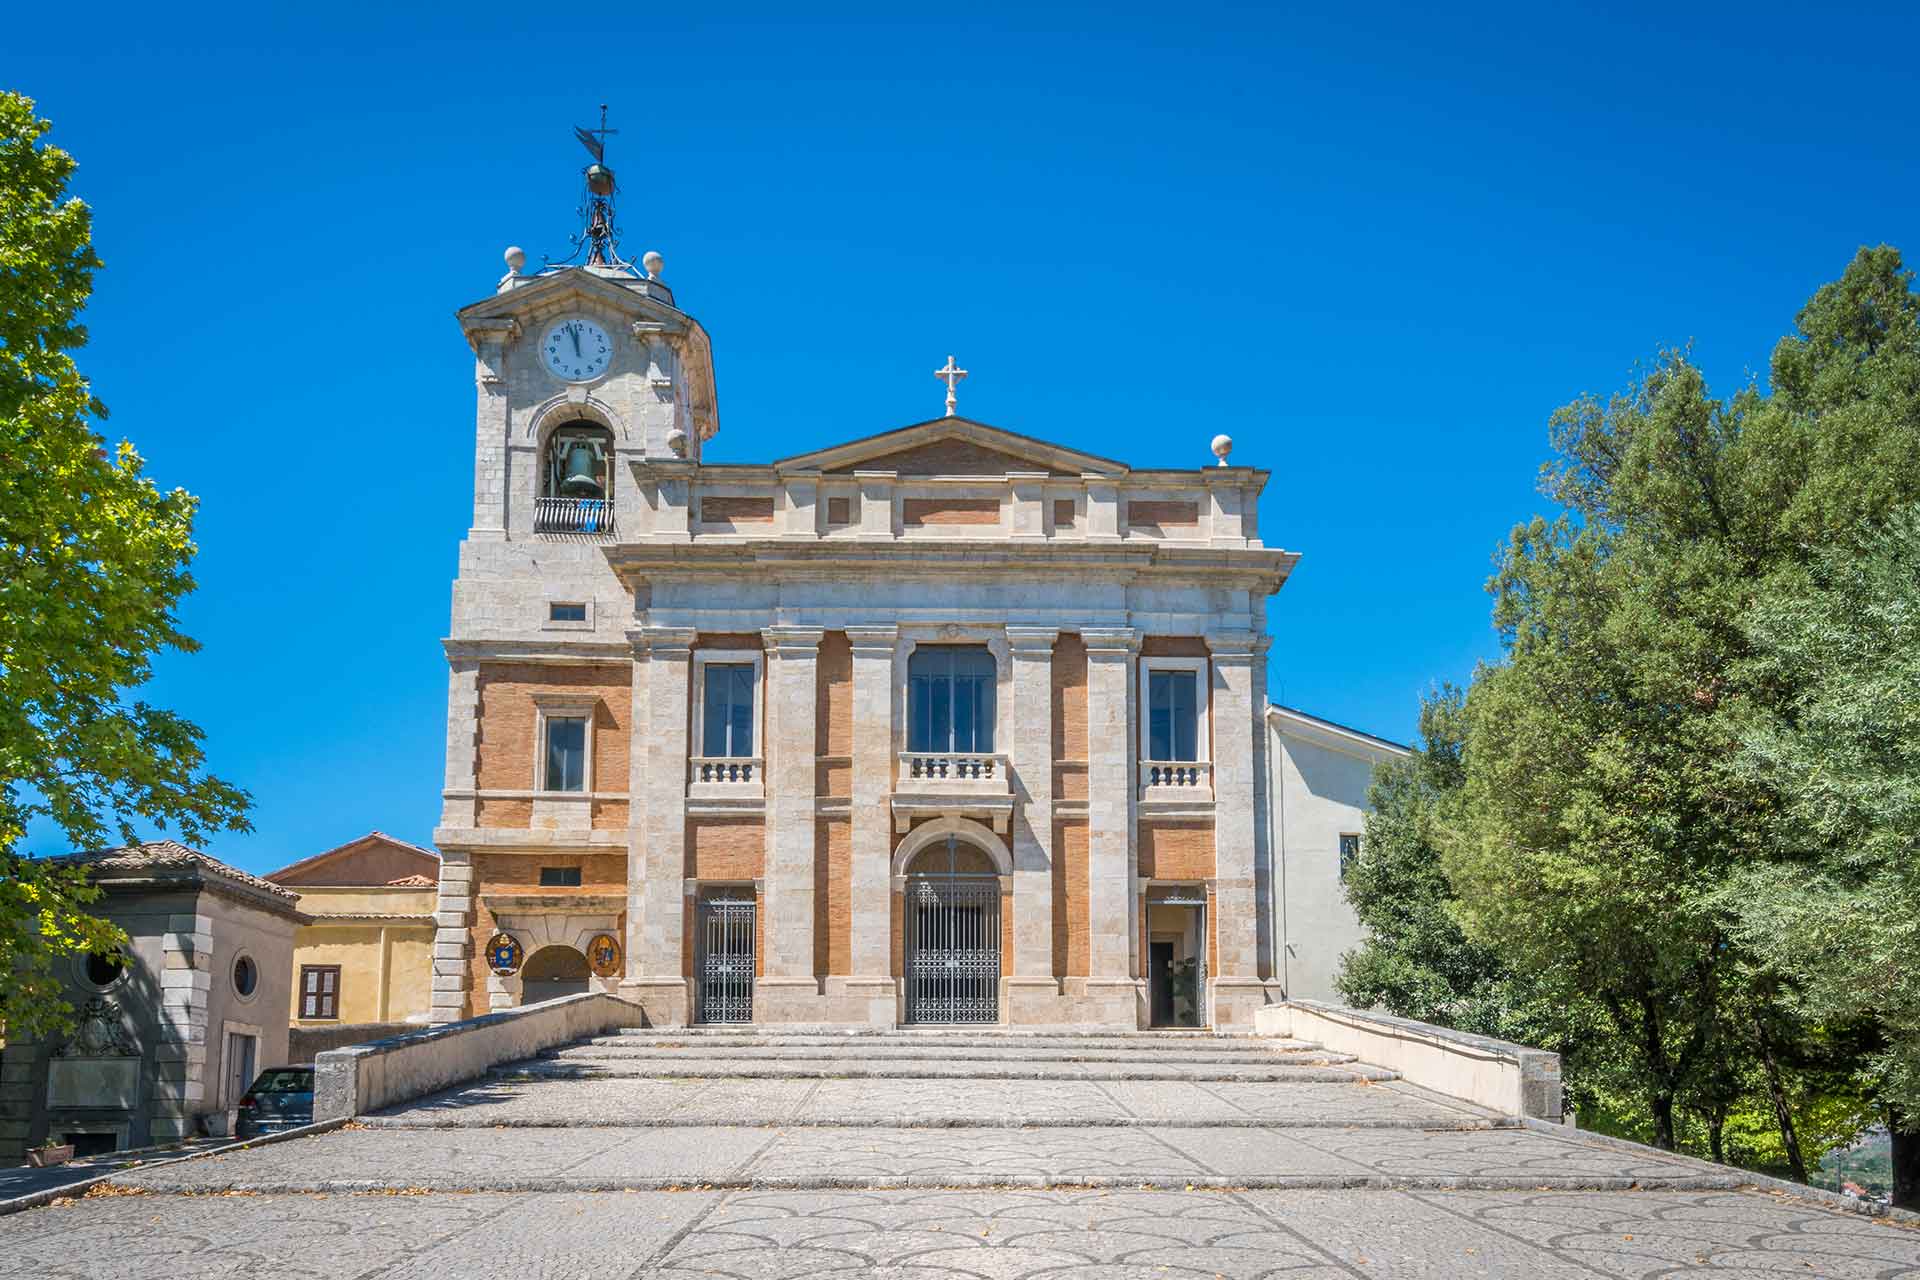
x=923, y=837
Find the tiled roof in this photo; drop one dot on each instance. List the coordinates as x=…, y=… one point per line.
x=171, y=855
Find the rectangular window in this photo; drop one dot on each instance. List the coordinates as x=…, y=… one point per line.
x=566, y=612
x=566, y=753
x=727, y=725
x=1063, y=513
x=950, y=695
x=1173, y=715
x=559, y=877
x=1349, y=853
x=320, y=991
x=839, y=511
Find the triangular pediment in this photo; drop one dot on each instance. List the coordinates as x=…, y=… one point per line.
x=544, y=293
x=374, y=859
x=952, y=447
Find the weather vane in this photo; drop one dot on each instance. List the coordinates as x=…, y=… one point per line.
x=601, y=238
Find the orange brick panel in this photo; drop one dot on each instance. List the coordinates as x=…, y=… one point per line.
x=746, y=510
x=1070, y=698
x=517, y=814
x=1070, y=881
x=1070, y=781
x=920, y=512
x=833, y=777
x=504, y=742
x=726, y=848
x=1163, y=515
x=610, y=815
x=1176, y=850
x=833, y=896
x=834, y=706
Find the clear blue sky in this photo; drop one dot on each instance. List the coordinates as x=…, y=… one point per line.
x=1377, y=248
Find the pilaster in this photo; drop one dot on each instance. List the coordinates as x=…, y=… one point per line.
x=1030, y=752
x=1237, y=979
x=655, y=975
x=490, y=339
x=452, y=942
x=1110, y=765
x=788, y=991
x=872, y=925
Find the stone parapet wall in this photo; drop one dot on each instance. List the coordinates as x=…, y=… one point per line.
x=353, y=1081
x=1511, y=1078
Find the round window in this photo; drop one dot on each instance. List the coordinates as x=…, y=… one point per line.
x=103, y=970
x=246, y=975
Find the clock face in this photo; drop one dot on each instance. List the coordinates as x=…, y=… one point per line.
x=577, y=350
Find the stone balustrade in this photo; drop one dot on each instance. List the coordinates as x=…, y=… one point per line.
x=1176, y=778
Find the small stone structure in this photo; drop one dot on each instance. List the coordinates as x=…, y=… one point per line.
x=178, y=1031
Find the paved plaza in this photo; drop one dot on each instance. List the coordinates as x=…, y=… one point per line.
x=544, y=1169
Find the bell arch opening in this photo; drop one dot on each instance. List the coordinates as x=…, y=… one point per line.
x=551, y=972
x=576, y=480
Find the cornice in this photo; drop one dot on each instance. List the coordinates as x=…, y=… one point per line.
x=547, y=651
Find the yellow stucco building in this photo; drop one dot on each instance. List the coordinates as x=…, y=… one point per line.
x=367, y=958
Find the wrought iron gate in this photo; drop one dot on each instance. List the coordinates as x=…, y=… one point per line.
x=953, y=948
x=724, y=961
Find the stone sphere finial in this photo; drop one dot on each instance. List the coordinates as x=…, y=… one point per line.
x=652, y=262
x=1222, y=446
x=516, y=257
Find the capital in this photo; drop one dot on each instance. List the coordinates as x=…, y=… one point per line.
x=1110, y=640
x=661, y=642
x=1032, y=642
x=873, y=641
x=792, y=642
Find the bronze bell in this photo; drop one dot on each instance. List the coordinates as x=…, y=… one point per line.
x=582, y=479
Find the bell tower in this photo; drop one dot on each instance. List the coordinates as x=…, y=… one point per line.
x=584, y=366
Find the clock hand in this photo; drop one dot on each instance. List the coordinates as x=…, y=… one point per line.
x=573, y=331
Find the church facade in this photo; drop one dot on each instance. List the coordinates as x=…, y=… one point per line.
x=944, y=724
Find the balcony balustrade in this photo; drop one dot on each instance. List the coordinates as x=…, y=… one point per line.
x=573, y=515
x=726, y=781
x=1177, y=781
x=972, y=784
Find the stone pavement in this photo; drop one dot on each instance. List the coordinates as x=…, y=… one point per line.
x=697, y=1168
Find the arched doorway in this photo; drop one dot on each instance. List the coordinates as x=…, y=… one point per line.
x=951, y=942
x=552, y=972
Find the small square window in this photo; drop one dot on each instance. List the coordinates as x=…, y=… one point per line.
x=566, y=753
x=558, y=612
x=319, y=991
x=559, y=877
x=839, y=511
x=1349, y=853
x=1063, y=513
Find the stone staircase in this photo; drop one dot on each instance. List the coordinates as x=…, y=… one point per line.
x=760, y=1053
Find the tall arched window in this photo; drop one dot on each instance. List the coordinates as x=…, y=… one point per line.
x=950, y=698
x=576, y=480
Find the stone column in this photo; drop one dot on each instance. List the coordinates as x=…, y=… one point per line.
x=1032, y=991
x=658, y=843
x=872, y=923
x=1236, y=985
x=1110, y=770
x=788, y=991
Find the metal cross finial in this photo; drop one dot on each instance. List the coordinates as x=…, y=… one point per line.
x=952, y=375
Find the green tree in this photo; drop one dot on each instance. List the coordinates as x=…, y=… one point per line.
x=93, y=561
x=1415, y=961
x=1837, y=906
x=1603, y=810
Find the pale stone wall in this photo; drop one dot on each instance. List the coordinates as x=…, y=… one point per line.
x=1323, y=775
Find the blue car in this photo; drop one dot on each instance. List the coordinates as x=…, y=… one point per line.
x=281, y=1099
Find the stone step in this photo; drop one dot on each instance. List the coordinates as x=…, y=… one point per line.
x=864, y=1069
x=841, y=1031
x=766, y=1038
x=886, y=1051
